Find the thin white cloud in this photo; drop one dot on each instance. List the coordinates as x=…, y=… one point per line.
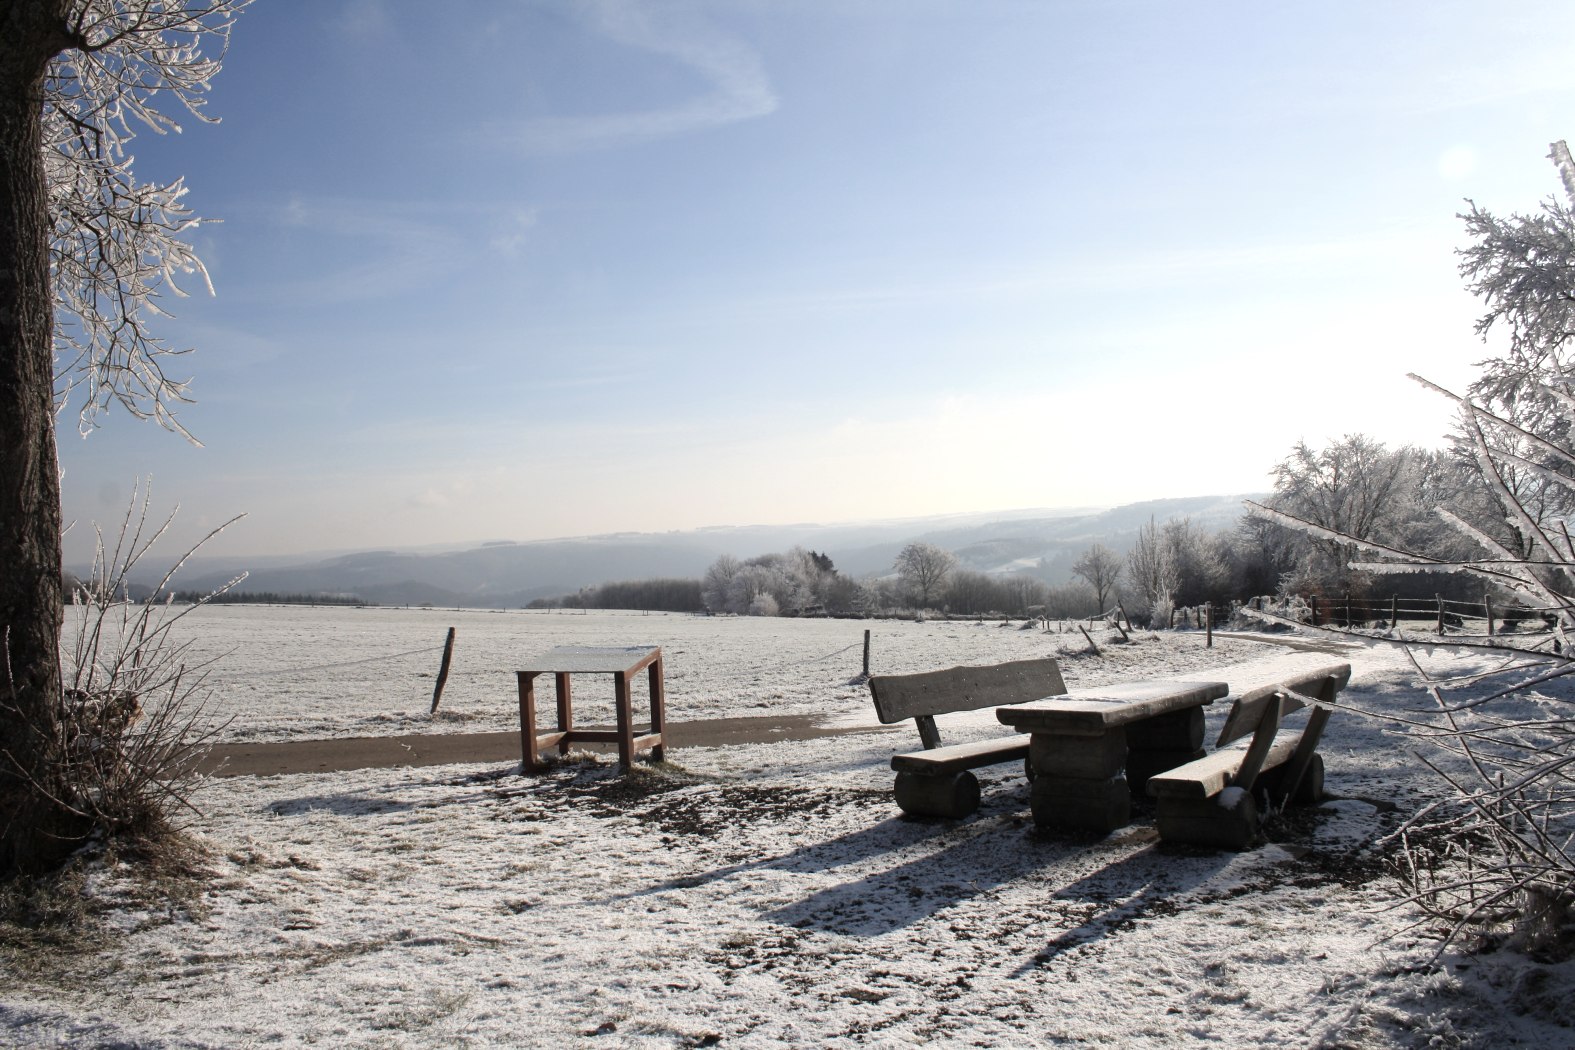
x=511, y=231
x=740, y=88
x=361, y=249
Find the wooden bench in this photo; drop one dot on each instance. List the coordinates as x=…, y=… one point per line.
x=937, y=781
x=1210, y=802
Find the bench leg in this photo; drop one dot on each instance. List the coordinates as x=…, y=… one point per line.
x=1229, y=821
x=953, y=796
x=1308, y=790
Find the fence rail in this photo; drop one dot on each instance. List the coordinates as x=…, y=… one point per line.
x=1444, y=615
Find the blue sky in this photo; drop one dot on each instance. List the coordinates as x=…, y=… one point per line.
x=513, y=270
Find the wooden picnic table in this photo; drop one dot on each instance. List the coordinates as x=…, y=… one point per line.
x=623, y=663
x=1091, y=750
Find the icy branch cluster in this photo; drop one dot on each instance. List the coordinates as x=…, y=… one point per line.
x=118, y=245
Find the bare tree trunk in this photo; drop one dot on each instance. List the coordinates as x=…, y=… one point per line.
x=34, y=831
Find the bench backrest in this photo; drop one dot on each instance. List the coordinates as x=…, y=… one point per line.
x=1322, y=683
x=923, y=696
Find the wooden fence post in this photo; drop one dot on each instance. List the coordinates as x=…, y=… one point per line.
x=1487, y=601
x=1394, y=612
x=1089, y=639
x=1348, y=608
x=442, y=679
x=1312, y=601
x=1440, y=598
x=1208, y=624
x=866, y=653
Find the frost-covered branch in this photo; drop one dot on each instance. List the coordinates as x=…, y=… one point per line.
x=118, y=246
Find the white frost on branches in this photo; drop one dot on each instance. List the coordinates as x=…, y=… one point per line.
x=118, y=245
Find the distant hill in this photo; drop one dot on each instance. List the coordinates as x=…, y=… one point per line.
x=502, y=575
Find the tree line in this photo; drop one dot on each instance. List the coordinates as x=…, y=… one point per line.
x=267, y=598
x=658, y=595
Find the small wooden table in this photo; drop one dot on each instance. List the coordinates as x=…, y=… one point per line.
x=623, y=663
x=1093, y=749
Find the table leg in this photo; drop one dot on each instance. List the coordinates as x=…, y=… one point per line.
x=658, y=710
x=560, y=683
x=625, y=720
x=529, y=759
x=1078, y=783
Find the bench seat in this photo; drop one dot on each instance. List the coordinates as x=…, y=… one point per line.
x=954, y=758
x=1210, y=775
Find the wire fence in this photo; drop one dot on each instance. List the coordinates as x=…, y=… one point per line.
x=278, y=671
x=1437, y=615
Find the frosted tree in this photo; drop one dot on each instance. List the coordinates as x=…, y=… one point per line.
x=717, y=582
x=1100, y=568
x=1497, y=851
x=1152, y=573
x=923, y=569
x=86, y=253
x=1351, y=487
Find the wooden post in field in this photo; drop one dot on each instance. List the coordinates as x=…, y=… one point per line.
x=1440, y=598
x=448, y=654
x=1090, y=639
x=1312, y=601
x=1394, y=613
x=1208, y=624
x=866, y=653
x=1487, y=601
x=1347, y=608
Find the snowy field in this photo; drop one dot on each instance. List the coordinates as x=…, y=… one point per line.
x=283, y=672
x=761, y=895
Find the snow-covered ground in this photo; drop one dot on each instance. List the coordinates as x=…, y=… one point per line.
x=760, y=895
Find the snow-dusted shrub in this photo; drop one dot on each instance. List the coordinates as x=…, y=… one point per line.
x=121, y=750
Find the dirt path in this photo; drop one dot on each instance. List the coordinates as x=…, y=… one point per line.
x=1334, y=648
x=440, y=749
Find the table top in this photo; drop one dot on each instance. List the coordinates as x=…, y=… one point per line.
x=593, y=659
x=1089, y=712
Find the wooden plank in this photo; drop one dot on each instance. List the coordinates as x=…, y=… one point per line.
x=1262, y=740
x=957, y=757
x=1209, y=776
x=1176, y=731
x=594, y=736
x=954, y=796
x=1205, y=822
x=607, y=659
x=898, y=697
x=1092, y=712
x=1323, y=682
x=546, y=740
x=658, y=708
x=565, y=695
x=1306, y=751
x=1089, y=757
x=1069, y=803
x=529, y=758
